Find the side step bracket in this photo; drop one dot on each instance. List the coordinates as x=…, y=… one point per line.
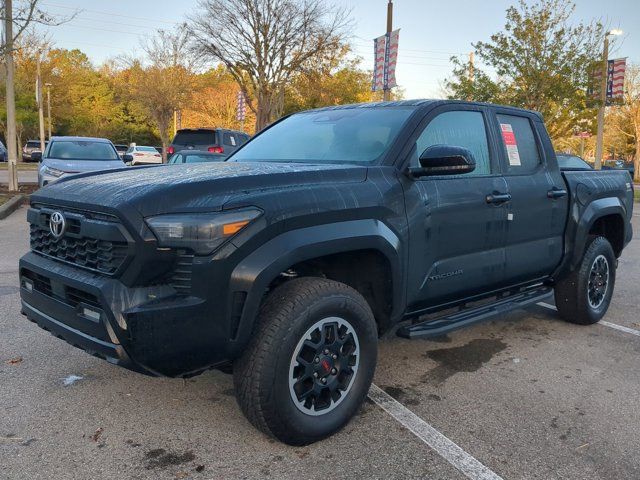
x=436, y=327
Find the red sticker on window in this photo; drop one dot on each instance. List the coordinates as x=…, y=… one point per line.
x=511, y=144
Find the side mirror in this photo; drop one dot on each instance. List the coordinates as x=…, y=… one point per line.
x=127, y=157
x=444, y=160
x=36, y=155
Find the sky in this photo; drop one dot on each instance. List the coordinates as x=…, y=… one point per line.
x=431, y=31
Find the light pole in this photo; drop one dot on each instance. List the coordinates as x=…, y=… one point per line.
x=603, y=96
x=48, y=85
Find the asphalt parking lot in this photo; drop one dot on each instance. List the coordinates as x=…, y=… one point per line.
x=525, y=396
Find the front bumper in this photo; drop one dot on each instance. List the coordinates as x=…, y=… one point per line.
x=151, y=330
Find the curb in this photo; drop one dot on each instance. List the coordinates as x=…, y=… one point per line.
x=11, y=206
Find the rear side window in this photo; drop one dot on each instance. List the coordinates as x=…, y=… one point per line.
x=519, y=143
x=243, y=139
x=195, y=137
x=460, y=129
x=229, y=139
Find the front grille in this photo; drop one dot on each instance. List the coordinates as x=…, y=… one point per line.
x=96, y=244
x=181, y=275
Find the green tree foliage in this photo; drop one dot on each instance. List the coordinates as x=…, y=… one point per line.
x=541, y=61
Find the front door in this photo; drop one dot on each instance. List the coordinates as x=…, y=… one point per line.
x=457, y=223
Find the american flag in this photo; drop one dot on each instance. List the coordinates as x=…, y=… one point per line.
x=615, y=78
x=379, y=55
x=392, y=58
x=241, y=108
x=385, y=51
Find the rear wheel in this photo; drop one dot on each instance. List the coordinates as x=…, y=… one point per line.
x=309, y=366
x=584, y=296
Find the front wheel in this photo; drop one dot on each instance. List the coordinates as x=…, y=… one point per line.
x=584, y=296
x=310, y=363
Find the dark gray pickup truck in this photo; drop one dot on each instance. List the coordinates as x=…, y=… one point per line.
x=329, y=228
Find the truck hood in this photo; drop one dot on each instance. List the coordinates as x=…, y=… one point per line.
x=154, y=190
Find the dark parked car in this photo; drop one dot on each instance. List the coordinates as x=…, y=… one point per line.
x=619, y=165
x=216, y=140
x=567, y=161
x=3, y=152
x=323, y=232
x=66, y=156
x=30, y=147
x=194, y=156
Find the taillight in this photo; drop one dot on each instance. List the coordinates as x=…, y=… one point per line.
x=216, y=149
x=171, y=150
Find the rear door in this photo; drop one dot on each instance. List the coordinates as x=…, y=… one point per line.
x=456, y=231
x=536, y=214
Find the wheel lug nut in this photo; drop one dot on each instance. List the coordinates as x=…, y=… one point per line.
x=333, y=371
x=324, y=380
x=317, y=360
x=315, y=374
x=326, y=351
x=334, y=356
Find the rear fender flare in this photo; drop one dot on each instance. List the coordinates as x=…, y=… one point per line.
x=599, y=208
x=254, y=274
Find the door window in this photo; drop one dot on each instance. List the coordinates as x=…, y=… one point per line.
x=519, y=143
x=461, y=129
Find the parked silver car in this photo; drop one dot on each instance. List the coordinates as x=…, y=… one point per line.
x=71, y=155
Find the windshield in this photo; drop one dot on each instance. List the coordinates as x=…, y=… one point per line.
x=572, y=162
x=82, y=150
x=146, y=149
x=348, y=135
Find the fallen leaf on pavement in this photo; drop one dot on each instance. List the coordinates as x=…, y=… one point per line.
x=97, y=434
x=14, y=361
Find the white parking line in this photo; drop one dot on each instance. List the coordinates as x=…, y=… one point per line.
x=615, y=326
x=447, y=449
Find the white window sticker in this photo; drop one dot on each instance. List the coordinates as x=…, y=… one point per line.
x=511, y=144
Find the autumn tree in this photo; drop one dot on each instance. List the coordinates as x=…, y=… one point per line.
x=539, y=61
x=265, y=43
x=214, y=102
x=331, y=79
x=162, y=82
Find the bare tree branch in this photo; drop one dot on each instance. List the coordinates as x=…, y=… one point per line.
x=264, y=43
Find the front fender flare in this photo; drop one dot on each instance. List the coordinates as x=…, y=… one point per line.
x=254, y=274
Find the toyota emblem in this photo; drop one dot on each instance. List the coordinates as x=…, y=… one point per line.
x=57, y=224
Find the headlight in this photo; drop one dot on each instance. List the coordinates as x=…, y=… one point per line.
x=200, y=232
x=54, y=172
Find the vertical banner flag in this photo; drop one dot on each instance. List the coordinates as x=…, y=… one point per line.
x=391, y=60
x=615, y=78
x=241, y=109
x=385, y=55
x=379, y=55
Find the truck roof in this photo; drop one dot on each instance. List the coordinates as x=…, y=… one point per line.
x=421, y=103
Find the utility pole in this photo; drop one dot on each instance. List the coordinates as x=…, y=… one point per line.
x=471, y=67
x=603, y=97
x=12, y=151
x=39, y=99
x=48, y=85
x=387, y=91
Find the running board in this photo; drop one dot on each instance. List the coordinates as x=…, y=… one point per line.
x=436, y=327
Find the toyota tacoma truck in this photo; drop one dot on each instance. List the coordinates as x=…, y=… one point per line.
x=287, y=262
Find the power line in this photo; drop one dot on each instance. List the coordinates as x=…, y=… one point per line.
x=102, y=12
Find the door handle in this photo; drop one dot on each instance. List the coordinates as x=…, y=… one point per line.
x=498, y=197
x=556, y=192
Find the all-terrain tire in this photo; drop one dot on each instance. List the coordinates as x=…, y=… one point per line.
x=262, y=375
x=579, y=301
